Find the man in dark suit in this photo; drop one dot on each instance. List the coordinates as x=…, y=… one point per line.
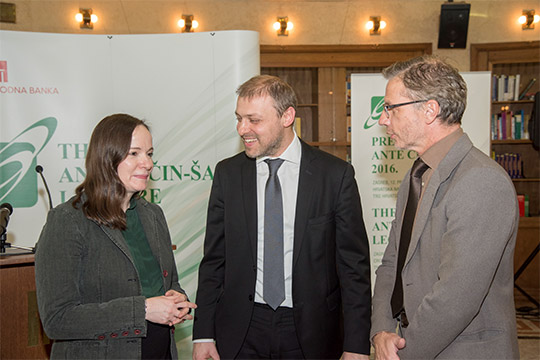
x=319, y=304
x=446, y=277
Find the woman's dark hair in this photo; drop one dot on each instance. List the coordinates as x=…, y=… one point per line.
x=102, y=192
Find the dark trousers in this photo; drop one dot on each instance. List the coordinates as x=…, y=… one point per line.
x=271, y=335
x=157, y=343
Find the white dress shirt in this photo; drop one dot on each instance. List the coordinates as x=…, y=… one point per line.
x=288, y=174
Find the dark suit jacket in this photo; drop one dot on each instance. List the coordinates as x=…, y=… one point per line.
x=331, y=271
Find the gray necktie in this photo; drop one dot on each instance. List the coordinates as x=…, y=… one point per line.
x=273, y=276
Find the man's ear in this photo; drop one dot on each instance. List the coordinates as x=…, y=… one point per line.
x=287, y=119
x=431, y=111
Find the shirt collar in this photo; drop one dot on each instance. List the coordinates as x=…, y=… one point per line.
x=132, y=203
x=292, y=154
x=434, y=155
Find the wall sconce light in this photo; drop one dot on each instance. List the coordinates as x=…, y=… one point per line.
x=86, y=19
x=283, y=25
x=528, y=19
x=375, y=25
x=187, y=23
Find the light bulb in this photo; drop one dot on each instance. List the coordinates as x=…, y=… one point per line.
x=79, y=17
x=194, y=24
x=181, y=23
x=290, y=25
x=522, y=19
x=93, y=18
x=382, y=24
x=277, y=25
x=536, y=18
x=369, y=25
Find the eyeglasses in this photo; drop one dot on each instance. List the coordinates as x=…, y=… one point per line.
x=387, y=107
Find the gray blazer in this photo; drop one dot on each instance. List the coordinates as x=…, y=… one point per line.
x=458, y=274
x=89, y=294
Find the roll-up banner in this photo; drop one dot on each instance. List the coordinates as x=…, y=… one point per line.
x=54, y=88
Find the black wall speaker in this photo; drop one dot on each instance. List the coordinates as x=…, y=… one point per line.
x=453, y=26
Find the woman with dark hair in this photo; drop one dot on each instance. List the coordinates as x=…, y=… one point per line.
x=107, y=284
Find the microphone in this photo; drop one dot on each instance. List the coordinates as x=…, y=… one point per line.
x=39, y=169
x=5, y=211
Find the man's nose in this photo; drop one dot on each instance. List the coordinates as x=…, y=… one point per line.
x=241, y=127
x=383, y=119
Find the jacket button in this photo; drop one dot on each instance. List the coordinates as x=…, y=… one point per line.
x=165, y=273
x=250, y=297
x=125, y=333
x=137, y=332
x=113, y=335
x=101, y=337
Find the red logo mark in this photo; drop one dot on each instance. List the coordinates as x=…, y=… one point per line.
x=3, y=71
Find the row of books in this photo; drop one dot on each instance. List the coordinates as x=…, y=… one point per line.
x=348, y=128
x=510, y=125
x=512, y=163
x=523, y=202
x=506, y=88
x=348, y=89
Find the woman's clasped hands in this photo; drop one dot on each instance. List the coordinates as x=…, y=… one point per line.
x=170, y=309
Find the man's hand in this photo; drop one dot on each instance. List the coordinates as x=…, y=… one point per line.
x=204, y=351
x=386, y=345
x=353, y=356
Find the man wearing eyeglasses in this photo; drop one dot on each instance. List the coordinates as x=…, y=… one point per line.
x=446, y=278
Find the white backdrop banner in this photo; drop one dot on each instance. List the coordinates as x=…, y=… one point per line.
x=380, y=166
x=54, y=88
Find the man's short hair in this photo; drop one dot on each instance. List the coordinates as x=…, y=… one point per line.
x=429, y=77
x=267, y=85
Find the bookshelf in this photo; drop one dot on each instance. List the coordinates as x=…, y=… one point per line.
x=510, y=59
x=318, y=74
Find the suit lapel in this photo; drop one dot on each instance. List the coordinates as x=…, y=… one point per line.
x=148, y=221
x=118, y=239
x=303, y=199
x=422, y=213
x=248, y=197
x=456, y=154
